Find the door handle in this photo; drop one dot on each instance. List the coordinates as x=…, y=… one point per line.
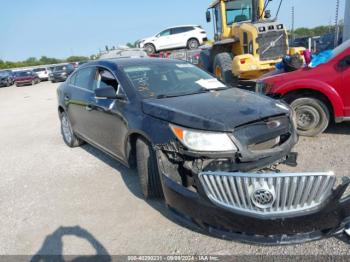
x=88, y=108
x=66, y=98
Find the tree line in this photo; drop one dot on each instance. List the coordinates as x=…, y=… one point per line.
x=316, y=31
x=44, y=60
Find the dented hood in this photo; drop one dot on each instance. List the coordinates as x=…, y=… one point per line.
x=215, y=111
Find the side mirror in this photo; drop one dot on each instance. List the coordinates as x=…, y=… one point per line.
x=208, y=16
x=267, y=14
x=106, y=93
x=345, y=62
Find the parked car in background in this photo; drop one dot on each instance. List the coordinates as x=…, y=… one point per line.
x=26, y=77
x=50, y=71
x=318, y=95
x=61, y=72
x=42, y=72
x=190, y=36
x=6, y=78
x=207, y=148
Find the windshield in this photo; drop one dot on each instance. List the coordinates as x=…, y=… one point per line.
x=170, y=79
x=60, y=68
x=239, y=11
x=340, y=49
x=23, y=73
x=2, y=74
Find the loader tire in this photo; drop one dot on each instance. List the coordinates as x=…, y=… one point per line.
x=223, y=68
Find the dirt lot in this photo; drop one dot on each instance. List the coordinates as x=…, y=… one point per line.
x=55, y=200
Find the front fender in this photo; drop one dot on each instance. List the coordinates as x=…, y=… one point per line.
x=312, y=84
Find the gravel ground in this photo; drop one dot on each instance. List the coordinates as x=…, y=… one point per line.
x=56, y=200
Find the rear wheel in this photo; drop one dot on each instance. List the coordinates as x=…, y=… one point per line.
x=33, y=82
x=68, y=135
x=312, y=116
x=148, y=170
x=192, y=44
x=223, y=68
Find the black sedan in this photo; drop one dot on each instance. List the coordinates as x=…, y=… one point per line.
x=210, y=150
x=6, y=78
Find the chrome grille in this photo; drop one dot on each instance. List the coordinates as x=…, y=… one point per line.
x=252, y=193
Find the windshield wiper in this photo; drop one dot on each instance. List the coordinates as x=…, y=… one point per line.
x=192, y=93
x=182, y=94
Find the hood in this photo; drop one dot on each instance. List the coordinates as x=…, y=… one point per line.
x=148, y=39
x=214, y=111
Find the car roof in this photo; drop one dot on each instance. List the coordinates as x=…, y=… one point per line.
x=179, y=26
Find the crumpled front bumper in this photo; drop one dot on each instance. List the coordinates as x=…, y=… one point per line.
x=194, y=209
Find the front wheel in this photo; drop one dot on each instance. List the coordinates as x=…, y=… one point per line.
x=223, y=68
x=312, y=116
x=148, y=170
x=150, y=49
x=68, y=135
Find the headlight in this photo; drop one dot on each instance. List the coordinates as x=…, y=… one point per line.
x=204, y=141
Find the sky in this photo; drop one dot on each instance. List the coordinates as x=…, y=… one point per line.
x=62, y=28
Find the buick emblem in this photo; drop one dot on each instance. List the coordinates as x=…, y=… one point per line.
x=263, y=197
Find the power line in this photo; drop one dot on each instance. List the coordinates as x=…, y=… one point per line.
x=293, y=20
x=336, y=37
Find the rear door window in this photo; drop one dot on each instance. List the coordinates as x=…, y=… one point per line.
x=178, y=30
x=83, y=78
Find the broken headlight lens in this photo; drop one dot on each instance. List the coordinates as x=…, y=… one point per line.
x=204, y=141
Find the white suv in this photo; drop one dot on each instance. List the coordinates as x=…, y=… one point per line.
x=42, y=72
x=188, y=36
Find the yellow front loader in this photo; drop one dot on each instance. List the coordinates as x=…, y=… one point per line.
x=248, y=43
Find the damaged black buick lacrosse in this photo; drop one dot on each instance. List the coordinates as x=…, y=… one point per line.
x=210, y=150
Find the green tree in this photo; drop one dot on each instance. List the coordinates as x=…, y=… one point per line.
x=77, y=58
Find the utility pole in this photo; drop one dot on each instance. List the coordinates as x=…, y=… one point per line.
x=346, y=31
x=336, y=37
x=293, y=20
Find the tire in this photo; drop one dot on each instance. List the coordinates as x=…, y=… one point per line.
x=33, y=82
x=312, y=115
x=193, y=43
x=148, y=170
x=8, y=84
x=222, y=68
x=150, y=49
x=205, y=62
x=68, y=135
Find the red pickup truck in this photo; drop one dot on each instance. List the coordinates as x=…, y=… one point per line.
x=318, y=95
